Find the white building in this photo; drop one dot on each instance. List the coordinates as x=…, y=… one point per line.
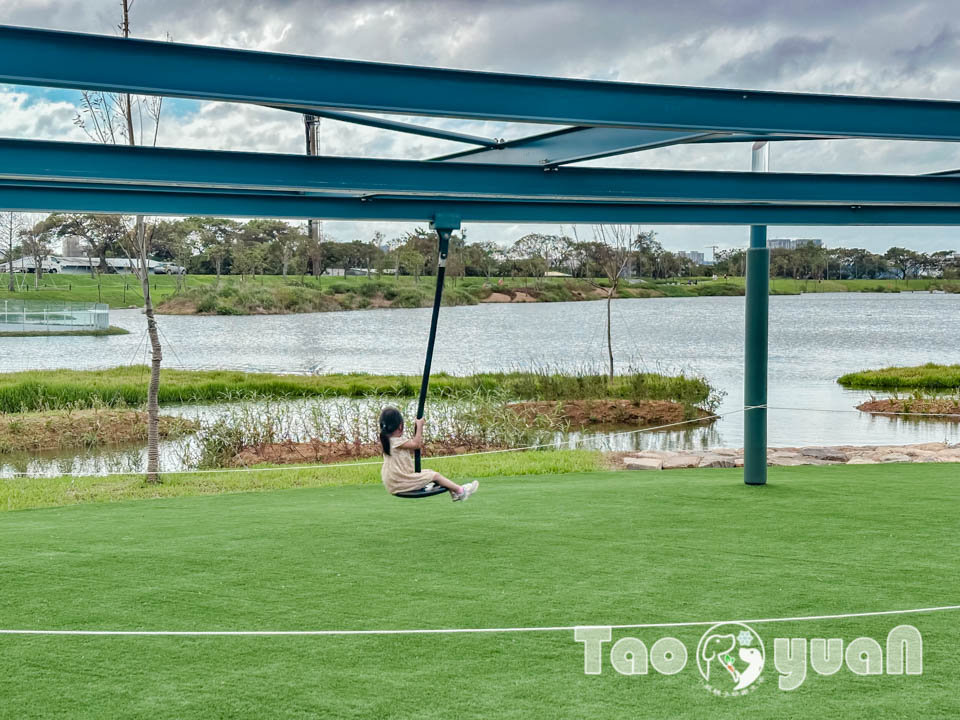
x=792, y=243
x=79, y=265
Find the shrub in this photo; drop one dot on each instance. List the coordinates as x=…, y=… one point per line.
x=408, y=298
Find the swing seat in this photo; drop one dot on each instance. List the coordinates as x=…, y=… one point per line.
x=426, y=491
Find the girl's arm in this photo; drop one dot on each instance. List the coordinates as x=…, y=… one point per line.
x=416, y=442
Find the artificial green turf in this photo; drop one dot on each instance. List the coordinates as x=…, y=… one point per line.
x=589, y=548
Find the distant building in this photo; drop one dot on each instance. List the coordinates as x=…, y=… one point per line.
x=695, y=256
x=80, y=265
x=792, y=243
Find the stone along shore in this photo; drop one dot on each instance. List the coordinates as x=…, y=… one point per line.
x=788, y=456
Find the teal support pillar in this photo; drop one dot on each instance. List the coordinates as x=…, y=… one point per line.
x=755, y=358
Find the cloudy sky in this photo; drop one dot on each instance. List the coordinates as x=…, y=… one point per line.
x=907, y=48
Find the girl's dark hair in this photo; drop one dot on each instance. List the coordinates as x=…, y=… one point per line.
x=390, y=421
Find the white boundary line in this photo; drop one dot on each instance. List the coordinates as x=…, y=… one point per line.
x=469, y=631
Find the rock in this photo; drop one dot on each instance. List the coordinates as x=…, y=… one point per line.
x=656, y=454
x=792, y=459
x=788, y=459
x=713, y=460
x=893, y=457
x=681, y=461
x=860, y=460
x=949, y=455
x=726, y=452
x=931, y=446
x=919, y=455
x=643, y=463
x=825, y=453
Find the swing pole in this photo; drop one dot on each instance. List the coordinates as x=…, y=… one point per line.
x=444, y=225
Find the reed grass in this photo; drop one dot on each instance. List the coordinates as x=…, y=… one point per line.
x=37, y=390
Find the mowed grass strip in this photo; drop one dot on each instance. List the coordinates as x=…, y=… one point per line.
x=127, y=386
x=22, y=493
x=587, y=548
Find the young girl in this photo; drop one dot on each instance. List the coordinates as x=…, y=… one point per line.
x=398, y=470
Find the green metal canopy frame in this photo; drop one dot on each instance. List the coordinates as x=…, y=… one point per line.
x=525, y=179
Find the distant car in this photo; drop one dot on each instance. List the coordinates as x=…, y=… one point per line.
x=169, y=270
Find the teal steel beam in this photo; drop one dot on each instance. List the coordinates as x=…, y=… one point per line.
x=149, y=200
x=394, y=125
x=120, y=164
x=95, y=62
x=571, y=145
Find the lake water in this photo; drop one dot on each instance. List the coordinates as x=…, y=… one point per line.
x=813, y=339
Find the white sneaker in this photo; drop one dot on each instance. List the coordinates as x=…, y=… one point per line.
x=468, y=490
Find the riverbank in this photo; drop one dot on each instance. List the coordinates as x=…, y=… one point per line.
x=126, y=387
x=232, y=295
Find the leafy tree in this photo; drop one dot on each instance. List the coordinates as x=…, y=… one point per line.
x=903, y=261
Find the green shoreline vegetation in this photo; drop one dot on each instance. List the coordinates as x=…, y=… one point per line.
x=930, y=376
x=35, y=390
x=273, y=294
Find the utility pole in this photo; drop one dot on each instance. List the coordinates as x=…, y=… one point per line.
x=311, y=124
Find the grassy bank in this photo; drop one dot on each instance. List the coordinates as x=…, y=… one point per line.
x=275, y=295
x=126, y=387
x=921, y=377
x=26, y=493
x=112, y=330
x=541, y=550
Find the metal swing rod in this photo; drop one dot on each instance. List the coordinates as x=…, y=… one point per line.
x=444, y=227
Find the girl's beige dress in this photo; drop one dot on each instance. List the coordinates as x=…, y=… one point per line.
x=397, y=472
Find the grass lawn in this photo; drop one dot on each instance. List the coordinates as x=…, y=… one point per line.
x=583, y=548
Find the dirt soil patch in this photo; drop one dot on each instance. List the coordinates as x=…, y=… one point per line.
x=178, y=305
x=947, y=408
x=55, y=430
x=496, y=297
x=584, y=413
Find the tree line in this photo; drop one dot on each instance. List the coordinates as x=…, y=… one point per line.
x=809, y=262
x=220, y=246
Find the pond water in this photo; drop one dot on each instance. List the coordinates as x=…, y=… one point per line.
x=813, y=339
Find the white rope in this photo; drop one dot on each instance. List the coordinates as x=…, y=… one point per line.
x=473, y=631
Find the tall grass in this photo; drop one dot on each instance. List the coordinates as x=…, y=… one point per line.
x=126, y=387
x=927, y=377
x=482, y=420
